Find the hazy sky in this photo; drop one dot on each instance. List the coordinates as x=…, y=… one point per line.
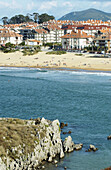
x=58, y=8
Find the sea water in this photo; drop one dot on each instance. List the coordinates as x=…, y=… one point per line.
x=80, y=98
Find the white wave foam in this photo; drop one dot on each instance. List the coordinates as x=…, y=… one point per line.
x=12, y=68
x=82, y=72
x=98, y=73
x=91, y=73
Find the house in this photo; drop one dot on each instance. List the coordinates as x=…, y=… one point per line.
x=10, y=36
x=32, y=42
x=103, y=42
x=76, y=40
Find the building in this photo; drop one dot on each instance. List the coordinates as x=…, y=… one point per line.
x=41, y=35
x=10, y=36
x=32, y=42
x=76, y=40
x=54, y=34
x=27, y=33
x=103, y=42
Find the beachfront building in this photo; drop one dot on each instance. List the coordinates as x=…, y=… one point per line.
x=76, y=41
x=48, y=34
x=27, y=33
x=54, y=34
x=41, y=35
x=103, y=42
x=32, y=42
x=10, y=36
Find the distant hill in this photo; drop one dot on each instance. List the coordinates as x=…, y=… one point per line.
x=87, y=14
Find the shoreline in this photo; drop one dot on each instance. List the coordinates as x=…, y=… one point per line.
x=68, y=61
x=61, y=68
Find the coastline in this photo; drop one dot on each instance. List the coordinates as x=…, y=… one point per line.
x=69, y=61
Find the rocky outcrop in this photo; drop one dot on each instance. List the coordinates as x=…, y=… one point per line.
x=47, y=144
x=62, y=124
x=68, y=144
x=109, y=168
x=92, y=148
x=109, y=137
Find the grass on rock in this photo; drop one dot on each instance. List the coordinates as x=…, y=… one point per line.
x=17, y=133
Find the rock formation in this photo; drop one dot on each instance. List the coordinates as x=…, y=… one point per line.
x=44, y=144
x=109, y=137
x=92, y=148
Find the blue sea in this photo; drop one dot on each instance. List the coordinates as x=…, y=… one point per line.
x=80, y=98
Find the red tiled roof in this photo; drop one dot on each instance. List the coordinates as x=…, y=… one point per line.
x=7, y=33
x=41, y=31
x=32, y=40
x=76, y=35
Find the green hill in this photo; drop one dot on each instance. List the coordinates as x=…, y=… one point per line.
x=87, y=14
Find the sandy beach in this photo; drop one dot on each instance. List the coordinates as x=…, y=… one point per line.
x=43, y=60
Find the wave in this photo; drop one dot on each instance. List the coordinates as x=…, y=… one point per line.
x=24, y=77
x=52, y=71
x=98, y=73
x=92, y=73
x=21, y=69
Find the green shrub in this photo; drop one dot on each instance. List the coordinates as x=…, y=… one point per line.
x=30, y=51
x=79, y=54
x=56, y=52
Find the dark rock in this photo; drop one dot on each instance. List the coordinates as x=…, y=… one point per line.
x=109, y=168
x=64, y=133
x=37, y=121
x=62, y=125
x=92, y=148
x=109, y=137
x=69, y=132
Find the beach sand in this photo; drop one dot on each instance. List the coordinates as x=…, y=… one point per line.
x=43, y=60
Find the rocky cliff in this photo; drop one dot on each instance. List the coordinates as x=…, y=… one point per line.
x=24, y=144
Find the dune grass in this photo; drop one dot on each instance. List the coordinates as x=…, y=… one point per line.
x=56, y=52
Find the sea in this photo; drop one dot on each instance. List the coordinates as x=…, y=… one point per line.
x=80, y=98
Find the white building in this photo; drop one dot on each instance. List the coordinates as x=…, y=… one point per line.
x=10, y=36
x=41, y=35
x=49, y=34
x=76, y=40
x=32, y=42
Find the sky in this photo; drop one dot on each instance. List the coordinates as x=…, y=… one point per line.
x=57, y=8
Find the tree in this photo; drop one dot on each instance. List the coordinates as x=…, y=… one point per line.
x=45, y=17
x=5, y=20
x=36, y=17
x=17, y=19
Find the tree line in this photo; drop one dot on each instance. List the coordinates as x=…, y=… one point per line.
x=35, y=17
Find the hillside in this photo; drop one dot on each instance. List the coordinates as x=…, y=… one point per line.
x=87, y=14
